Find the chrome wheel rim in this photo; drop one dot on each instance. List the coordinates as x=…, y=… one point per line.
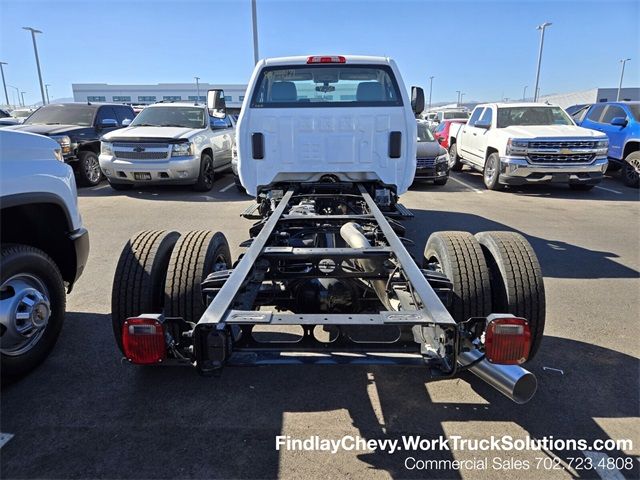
x=489, y=171
x=452, y=157
x=25, y=311
x=92, y=168
x=633, y=170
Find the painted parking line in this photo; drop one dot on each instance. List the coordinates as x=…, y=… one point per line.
x=608, y=190
x=227, y=187
x=466, y=185
x=4, y=438
x=598, y=459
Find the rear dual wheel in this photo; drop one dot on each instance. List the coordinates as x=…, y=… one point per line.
x=493, y=272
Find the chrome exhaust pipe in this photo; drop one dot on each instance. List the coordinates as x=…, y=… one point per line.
x=352, y=233
x=511, y=380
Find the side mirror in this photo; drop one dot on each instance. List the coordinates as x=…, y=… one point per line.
x=215, y=103
x=126, y=122
x=417, y=100
x=484, y=125
x=619, y=122
x=108, y=123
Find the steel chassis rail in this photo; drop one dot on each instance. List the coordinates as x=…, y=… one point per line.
x=214, y=332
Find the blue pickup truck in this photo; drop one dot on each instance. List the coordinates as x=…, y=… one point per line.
x=620, y=121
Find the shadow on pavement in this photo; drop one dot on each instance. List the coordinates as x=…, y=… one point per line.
x=558, y=259
x=85, y=414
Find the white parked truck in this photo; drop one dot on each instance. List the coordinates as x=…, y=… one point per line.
x=326, y=145
x=519, y=143
x=169, y=143
x=44, y=247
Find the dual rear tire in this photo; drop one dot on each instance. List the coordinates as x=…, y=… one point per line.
x=491, y=272
x=161, y=271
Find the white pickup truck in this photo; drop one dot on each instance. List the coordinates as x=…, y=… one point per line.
x=44, y=247
x=169, y=143
x=518, y=143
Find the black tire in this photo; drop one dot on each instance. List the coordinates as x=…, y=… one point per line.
x=138, y=284
x=581, y=187
x=459, y=256
x=206, y=176
x=29, y=262
x=441, y=181
x=516, y=280
x=491, y=172
x=239, y=186
x=630, y=170
x=86, y=169
x=197, y=254
x=454, y=160
x=121, y=186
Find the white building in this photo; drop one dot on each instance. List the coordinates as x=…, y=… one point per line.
x=593, y=95
x=147, y=94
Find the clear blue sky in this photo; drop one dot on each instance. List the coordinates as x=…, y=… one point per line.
x=485, y=48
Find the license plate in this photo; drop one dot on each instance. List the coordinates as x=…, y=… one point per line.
x=142, y=175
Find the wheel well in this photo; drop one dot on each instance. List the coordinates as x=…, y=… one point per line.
x=43, y=226
x=452, y=140
x=490, y=150
x=207, y=150
x=90, y=146
x=629, y=148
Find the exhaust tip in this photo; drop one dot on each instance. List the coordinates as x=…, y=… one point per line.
x=525, y=388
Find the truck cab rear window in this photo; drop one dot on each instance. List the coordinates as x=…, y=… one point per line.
x=326, y=86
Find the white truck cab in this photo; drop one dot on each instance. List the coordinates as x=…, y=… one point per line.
x=308, y=117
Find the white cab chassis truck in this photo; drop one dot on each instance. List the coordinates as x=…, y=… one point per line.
x=326, y=144
x=527, y=143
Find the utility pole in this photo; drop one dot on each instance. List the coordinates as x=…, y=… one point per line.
x=46, y=89
x=6, y=95
x=524, y=93
x=254, y=19
x=16, y=93
x=23, y=104
x=197, y=89
x=462, y=94
x=623, y=62
x=35, y=50
x=541, y=28
x=430, y=91
x=458, y=102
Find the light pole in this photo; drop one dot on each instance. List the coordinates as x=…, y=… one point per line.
x=22, y=94
x=458, y=102
x=524, y=93
x=462, y=94
x=254, y=20
x=17, y=93
x=4, y=84
x=46, y=89
x=623, y=62
x=197, y=89
x=541, y=28
x=430, y=90
x=35, y=49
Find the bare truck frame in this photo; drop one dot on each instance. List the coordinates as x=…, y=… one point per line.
x=328, y=260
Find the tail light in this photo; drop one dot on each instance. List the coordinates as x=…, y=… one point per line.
x=143, y=340
x=507, y=340
x=333, y=59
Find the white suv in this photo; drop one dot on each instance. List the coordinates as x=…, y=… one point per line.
x=169, y=143
x=44, y=247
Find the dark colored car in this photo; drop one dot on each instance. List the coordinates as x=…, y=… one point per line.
x=441, y=133
x=620, y=121
x=432, y=162
x=77, y=127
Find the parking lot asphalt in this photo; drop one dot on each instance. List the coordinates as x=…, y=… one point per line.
x=85, y=414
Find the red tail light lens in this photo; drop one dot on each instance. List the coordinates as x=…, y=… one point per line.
x=333, y=59
x=143, y=341
x=507, y=340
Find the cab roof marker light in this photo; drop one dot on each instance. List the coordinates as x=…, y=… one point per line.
x=333, y=59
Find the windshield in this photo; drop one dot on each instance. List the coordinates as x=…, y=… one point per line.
x=81, y=115
x=424, y=134
x=532, y=116
x=185, y=117
x=635, y=111
x=450, y=115
x=326, y=86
